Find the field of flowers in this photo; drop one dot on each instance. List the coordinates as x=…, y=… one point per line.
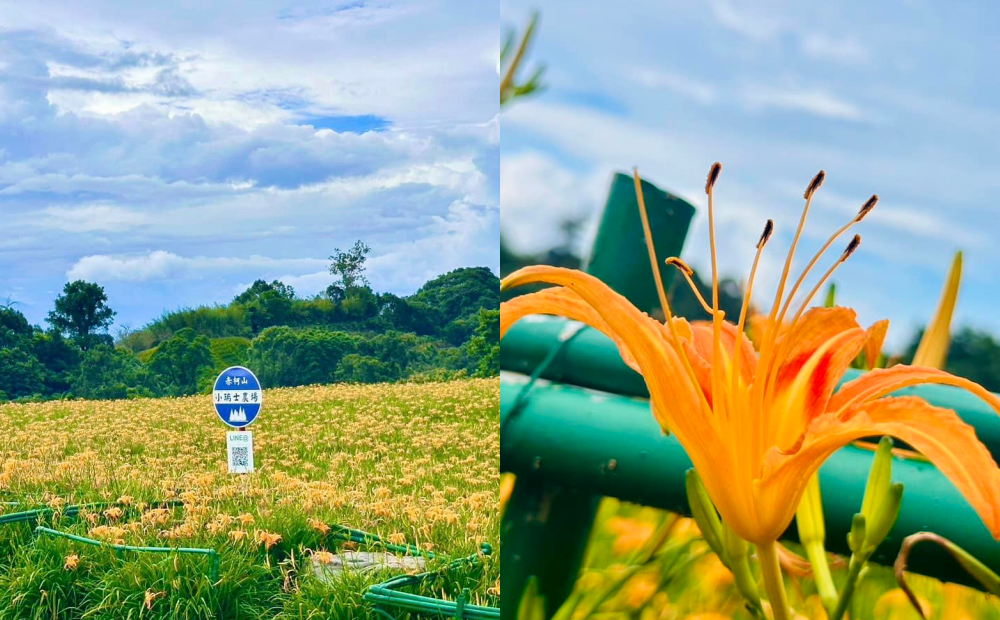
x=414, y=463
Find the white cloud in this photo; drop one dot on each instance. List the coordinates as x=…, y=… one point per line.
x=537, y=195
x=698, y=90
x=162, y=265
x=815, y=101
x=760, y=25
x=92, y=218
x=825, y=47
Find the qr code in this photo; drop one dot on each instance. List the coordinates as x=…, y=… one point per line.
x=240, y=456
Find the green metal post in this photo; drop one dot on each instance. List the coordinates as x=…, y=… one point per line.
x=546, y=526
x=619, y=256
x=606, y=444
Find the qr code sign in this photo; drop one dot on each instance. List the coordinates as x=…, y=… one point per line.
x=240, y=449
x=240, y=456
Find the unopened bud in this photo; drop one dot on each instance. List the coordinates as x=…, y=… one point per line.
x=856, y=537
x=885, y=516
x=704, y=514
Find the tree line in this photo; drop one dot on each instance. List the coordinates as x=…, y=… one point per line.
x=349, y=333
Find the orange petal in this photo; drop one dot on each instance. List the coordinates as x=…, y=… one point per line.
x=559, y=301
x=813, y=328
x=882, y=381
x=702, y=339
x=674, y=394
x=937, y=433
x=804, y=386
x=873, y=345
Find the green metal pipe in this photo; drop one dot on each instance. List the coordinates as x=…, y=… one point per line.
x=386, y=594
x=211, y=553
x=610, y=445
x=591, y=360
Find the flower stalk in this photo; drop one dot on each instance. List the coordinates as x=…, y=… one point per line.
x=774, y=583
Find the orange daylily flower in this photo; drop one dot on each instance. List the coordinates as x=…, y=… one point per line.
x=758, y=424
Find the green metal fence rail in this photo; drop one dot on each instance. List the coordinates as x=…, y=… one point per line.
x=387, y=596
x=610, y=445
x=366, y=538
x=69, y=512
x=33, y=516
x=212, y=554
x=591, y=360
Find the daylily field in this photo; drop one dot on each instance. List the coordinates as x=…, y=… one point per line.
x=414, y=463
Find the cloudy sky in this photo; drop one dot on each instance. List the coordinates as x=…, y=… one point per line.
x=898, y=98
x=174, y=152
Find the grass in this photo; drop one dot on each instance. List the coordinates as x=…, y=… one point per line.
x=412, y=463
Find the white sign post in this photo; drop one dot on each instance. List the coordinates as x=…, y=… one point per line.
x=237, y=399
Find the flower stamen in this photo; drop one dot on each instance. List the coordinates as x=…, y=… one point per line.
x=865, y=210
x=688, y=273
x=661, y=292
x=713, y=176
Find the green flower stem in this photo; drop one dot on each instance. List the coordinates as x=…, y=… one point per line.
x=853, y=573
x=746, y=583
x=773, y=581
x=816, y=552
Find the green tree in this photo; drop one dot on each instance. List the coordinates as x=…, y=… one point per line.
x=349, y=266
x=453, y=300
x=355, y=368
x=82, y=312
x=110, y=373
x=284, y=356
x=183, y=363
x=14, y=328
x=59, y=357
x=484, y=347
x=260, y=287
x=269, y=309
x=20, y=373
x=359, y=303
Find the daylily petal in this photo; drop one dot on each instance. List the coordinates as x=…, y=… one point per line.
x=803, y=388
x=702, y=339
x=560, y=301
x=882, y=381
x=873, y=345
x=816, y=326
x=939, y=434
x=673, y=394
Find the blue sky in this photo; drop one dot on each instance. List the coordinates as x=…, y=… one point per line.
x=175, y=152
x=898, y=98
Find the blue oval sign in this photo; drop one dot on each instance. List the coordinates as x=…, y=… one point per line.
x=237, y=396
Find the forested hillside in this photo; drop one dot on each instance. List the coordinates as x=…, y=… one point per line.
x=350, y=333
